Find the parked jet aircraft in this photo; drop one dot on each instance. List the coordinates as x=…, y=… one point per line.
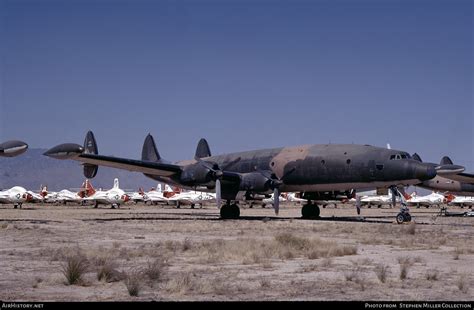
x=462, y=201
x=308, y=169
x=115, y=196
x=16, y=195
x=453, y=179
x=426, y=201
x=12, y=148
x=191, y=198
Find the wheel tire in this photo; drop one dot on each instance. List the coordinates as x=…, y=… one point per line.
x=407, y=217
x=306, y=212
x=400, y=218
x=234, y=211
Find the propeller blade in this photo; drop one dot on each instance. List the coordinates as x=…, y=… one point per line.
x=394, y=191
x=358, y=204
x=276, y=200
x=218, y=193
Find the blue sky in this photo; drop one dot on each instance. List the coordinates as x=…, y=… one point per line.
x=243, y=74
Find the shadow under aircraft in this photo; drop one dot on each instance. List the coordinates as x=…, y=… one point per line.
x=311, y=170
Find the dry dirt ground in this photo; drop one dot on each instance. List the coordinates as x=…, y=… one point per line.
x=161, y=253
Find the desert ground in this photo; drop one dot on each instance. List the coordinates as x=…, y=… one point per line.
x=140, y=252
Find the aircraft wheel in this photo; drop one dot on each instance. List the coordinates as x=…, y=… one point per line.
x=400, y=218
x=407, y=217
x=226, y=212
x=235, y=211
x=310, y=211
x=192, y=206
x=178, y=205
x=15, y=206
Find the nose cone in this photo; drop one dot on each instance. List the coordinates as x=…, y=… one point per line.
x=425, y=172
x=64, y=151
x=12, y=148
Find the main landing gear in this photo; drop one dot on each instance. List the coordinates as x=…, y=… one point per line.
x=16, y=205
x=404, y=215
x=230, y=211
x=310, y=211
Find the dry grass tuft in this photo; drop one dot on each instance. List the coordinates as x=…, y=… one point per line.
x=432, y=275
x=382, y=271
x=74, y=268
x=462, y=284
x=106, y=270
x=405, y=264
x=181, y=284
x=133, y=282
x=154, y=269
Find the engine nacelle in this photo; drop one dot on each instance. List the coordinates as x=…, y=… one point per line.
x=196, y=174
x=255, y=182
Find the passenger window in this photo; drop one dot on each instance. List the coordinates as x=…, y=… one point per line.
x=379, y=166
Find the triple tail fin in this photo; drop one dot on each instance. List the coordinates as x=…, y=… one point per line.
x=446, y=161
x=202, y=149
x=149, y=150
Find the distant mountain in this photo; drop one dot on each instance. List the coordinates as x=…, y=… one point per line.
x=32, y=169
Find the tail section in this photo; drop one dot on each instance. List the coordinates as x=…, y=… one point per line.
x=202, y=149
x=86, y=189
x=90, y=147
x=149, y=150
x=116, y=183
x=446, y=161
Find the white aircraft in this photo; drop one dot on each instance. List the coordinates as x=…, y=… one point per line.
x=64, y=196
x=271, y=200
x=291, y=197
x=378, y=200
x=137, y=196
x=115, y=196
x=192, y=198
x=462, y=201
x=16, y=195
x=157, y=195
x=427, y=201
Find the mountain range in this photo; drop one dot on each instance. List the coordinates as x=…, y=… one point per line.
x=32, y=169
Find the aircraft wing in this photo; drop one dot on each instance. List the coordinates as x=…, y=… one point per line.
x=461, y=177
x=154, y=168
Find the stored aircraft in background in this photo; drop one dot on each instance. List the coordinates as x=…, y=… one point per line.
x=307, y=169
x=12, y=148
x=426, y=201
x=16, y=195
x=114, y=196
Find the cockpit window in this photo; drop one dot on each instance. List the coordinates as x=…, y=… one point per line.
x=399, y=156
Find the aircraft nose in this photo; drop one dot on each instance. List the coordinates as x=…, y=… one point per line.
x=425, y=172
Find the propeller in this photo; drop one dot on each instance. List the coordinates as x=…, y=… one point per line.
x=275, y=184
x=358, y=204
x=217, y=175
